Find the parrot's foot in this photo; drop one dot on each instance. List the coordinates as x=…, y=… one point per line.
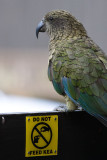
x=61, y=109
x=66, y=109
x=79, y=108
x=70, y=105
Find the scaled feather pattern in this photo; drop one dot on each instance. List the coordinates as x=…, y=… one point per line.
x=77, y=66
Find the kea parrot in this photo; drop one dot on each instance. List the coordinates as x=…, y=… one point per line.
x=77, y=66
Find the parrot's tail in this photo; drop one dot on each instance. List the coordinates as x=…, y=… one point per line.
x=102, y=119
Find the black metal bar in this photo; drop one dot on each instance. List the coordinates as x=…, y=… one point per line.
x=80, y=136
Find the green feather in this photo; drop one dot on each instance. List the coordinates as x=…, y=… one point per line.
x=104, y=83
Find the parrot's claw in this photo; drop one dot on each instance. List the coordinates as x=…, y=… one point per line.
x=61, y=109
x=65, y=109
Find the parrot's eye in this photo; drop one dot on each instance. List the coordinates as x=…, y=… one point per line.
x=51, y=18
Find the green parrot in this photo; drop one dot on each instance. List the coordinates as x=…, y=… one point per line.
x=77, y=66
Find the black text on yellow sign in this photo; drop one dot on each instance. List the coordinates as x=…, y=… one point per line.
x=41, y=135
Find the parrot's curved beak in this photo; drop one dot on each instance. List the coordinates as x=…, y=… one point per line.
x=40, y=28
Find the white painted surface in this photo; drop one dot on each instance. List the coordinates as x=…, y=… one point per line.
x=10, y=104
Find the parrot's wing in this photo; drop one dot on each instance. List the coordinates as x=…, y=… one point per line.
x=94, y=105
x=79, y=70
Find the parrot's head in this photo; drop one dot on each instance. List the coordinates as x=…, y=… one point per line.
x=60, y=24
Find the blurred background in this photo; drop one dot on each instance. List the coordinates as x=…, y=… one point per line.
x=23, y=58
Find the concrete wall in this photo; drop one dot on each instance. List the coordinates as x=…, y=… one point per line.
x=19, y=18
x=23, y=58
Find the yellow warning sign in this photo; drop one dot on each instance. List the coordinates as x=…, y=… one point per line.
x=41, y=135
